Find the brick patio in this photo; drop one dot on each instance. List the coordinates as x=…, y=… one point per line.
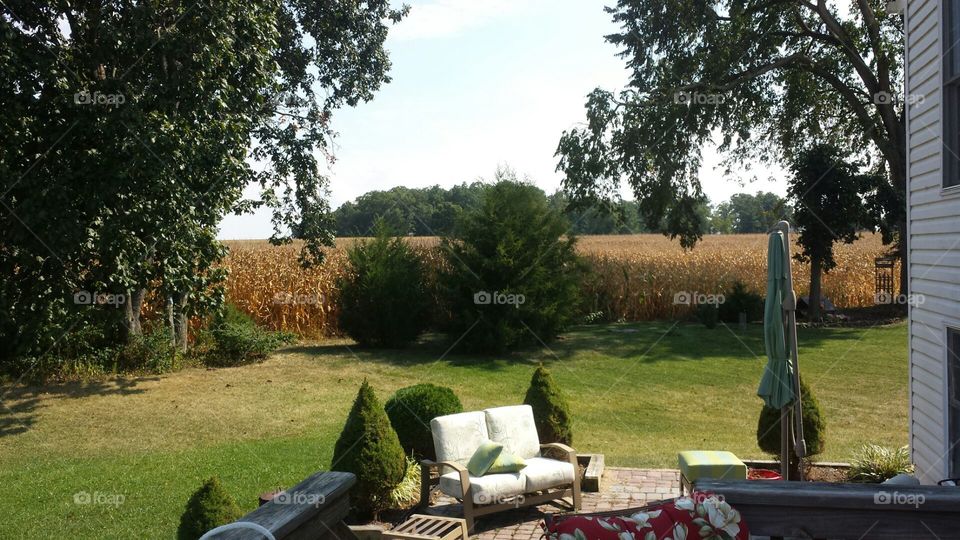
x=620, y=488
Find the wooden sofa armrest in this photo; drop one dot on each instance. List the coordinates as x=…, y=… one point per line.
x=426, y=466
x=568, y=452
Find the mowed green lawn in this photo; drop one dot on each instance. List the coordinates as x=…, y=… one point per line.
x=639, y=393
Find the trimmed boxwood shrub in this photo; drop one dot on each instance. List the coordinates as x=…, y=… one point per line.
x=368, y=447
x=383, y=299
x=550, y=410
x=512, y=276
x=412, y=408
x=209, y=507
x=814, y=429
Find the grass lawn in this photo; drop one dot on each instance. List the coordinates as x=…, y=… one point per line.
x=639, y=393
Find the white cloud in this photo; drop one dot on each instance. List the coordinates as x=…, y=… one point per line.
x=443, y=18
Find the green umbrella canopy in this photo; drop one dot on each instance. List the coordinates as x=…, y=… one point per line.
x=776, y=385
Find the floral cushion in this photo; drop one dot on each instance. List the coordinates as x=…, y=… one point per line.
x=703, y=516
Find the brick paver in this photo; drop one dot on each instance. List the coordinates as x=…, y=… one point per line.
x=620, y=488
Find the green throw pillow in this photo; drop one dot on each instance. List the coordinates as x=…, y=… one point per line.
x=507, y=463
x=484, y=457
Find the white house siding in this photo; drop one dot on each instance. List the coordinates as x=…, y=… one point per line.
x=934, y=242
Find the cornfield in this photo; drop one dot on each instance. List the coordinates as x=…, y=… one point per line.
x=631, y=277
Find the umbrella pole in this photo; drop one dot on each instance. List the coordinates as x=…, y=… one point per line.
x=785, y=443
x=790, y=317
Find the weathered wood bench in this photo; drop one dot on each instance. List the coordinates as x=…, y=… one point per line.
x=841, y=511
x=314, y=508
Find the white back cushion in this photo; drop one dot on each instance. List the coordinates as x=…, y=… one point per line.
x=457, y=436
x=514, y=428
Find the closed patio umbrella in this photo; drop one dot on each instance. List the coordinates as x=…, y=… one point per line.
x=780, y=384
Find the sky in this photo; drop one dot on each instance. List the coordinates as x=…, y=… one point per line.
x=477, y=84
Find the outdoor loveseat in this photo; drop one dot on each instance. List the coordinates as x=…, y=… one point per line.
x=544, y=479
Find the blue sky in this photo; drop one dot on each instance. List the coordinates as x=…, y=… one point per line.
x=477, y=83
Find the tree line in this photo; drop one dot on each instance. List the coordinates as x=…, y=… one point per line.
x=432, y=211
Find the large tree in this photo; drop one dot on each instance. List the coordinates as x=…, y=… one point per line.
x=827, y=193
x=771, y=77
x=129, y=129
x=746, y=213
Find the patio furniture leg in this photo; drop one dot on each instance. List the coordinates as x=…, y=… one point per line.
x=425, y=471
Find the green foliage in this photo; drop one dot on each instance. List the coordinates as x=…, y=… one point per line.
x=238, y=340
x=368, y=447
x=412, y=408
x=739, y=300
x=753, y=72
x=157, y=130
x=814, y=427
x=744, y=213
x=209, y=507
x=828, y=195
x=407, y=492
x=152, y=351
x=550, y=410
x=383, y=298
x=874, y=464
x=512, y=275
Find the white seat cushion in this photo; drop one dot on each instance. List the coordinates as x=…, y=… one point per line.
x=457, y=436
x=514, y=428
x=488, y=489
x=544, y=473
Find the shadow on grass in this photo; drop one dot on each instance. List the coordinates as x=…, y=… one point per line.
x=648, y=342
x=19, y=403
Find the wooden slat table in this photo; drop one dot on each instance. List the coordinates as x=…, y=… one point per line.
x=423, y=527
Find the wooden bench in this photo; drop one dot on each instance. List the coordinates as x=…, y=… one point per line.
x=422, y=527
x=313, y=509
x=842, y=511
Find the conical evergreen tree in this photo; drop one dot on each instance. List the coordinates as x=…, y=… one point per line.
x=208, y=508
x=814, y=429
x=369, y=448
x=550, y=409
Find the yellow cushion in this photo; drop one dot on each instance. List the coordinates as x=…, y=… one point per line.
x=716, y=465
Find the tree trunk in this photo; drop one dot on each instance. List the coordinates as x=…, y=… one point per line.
x=180, y=323
x=170, y=319
x=813, y=305
x=132, y=309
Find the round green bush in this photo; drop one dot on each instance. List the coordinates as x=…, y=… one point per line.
x=209, y=507
x=383, y=299
x=550, y=410
x=412, y=408
x=368, y=447
x=814, y=429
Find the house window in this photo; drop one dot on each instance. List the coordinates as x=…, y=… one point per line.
x=951, y=93
x=953, y=400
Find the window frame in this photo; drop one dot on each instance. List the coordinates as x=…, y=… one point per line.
x=953, y=401
x=950, y=91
